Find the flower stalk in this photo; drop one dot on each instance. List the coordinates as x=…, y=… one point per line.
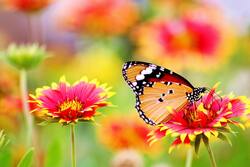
x=73, y=151
x=189, y=158
x=210, y=152
x=28, y=116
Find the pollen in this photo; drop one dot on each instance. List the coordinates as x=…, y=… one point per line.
x=72, y=105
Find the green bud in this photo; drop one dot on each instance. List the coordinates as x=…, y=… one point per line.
x=25, y=56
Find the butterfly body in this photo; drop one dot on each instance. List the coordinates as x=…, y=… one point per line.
x=157, y=88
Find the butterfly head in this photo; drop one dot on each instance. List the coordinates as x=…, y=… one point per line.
x=196, y=95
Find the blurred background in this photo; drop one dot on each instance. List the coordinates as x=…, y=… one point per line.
x=207, y=41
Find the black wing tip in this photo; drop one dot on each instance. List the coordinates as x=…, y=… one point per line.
x=136, y=62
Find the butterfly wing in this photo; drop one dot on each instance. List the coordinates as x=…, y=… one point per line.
x=156, y=88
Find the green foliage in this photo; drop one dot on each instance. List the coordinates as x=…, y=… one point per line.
x=3, y=140
x=54, y=155
x=27, y=159
x=5, y=157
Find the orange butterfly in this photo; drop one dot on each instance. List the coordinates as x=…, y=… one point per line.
x=157, y=88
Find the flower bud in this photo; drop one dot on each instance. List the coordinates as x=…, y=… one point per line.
x=25, y=56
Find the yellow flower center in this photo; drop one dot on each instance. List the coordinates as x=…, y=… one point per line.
x=183, y=41
x=72, y=105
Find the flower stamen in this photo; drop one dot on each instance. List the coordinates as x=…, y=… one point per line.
x=72, y=105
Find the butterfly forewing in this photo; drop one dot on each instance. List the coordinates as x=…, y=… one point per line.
x=156, y=88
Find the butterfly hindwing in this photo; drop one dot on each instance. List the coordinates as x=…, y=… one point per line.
x=156, y=88
x=155, y=99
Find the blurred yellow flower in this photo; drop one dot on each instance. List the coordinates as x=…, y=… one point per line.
x=98, y=62
x=197, y=39
x=106, y=17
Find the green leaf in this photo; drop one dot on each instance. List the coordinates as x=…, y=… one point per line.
x=54, y=155
x=3, y=141
x=197, y=144
x=27, y=158
x=224, y=138
x=43, y=123
x=224, y=129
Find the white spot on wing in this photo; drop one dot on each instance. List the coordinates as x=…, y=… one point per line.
x=134, y=83
x=147, y=71
x=140, y=77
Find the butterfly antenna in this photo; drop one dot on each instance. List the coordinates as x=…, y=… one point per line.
x=209, y=89
x=216, y=94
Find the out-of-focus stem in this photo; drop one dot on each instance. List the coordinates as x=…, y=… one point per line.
x=73, y=151
x=189, y=158
x=28, y=116
x=211, y=155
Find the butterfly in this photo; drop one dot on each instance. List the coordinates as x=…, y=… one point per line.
x=157, y=88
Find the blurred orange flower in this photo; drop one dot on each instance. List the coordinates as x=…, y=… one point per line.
x=98, y=17
x=10, y=107
x=8, y=81
x=10, y=102
x=191, y=40
x=118, y=132
x=28, y=5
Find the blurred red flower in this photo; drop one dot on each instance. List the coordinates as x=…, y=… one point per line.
x=118, y=132
x=191, y=38
x=98, y=17
x=28, y=5
x=10, y=102
x=10, y=107
x=211, y=116
x=69, y=103
x=8, y=82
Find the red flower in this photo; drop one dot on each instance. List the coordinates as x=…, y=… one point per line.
x=28, y=5
x=105, y=17
x=69, y=103
x=188, y=35
x=10, y=108
x=189, y=39
x=118, y=133
x=210, y=116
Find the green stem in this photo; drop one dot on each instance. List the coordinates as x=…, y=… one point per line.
x=189, y=158
x=28, y=116
x=73, y=150
x=211, y=155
